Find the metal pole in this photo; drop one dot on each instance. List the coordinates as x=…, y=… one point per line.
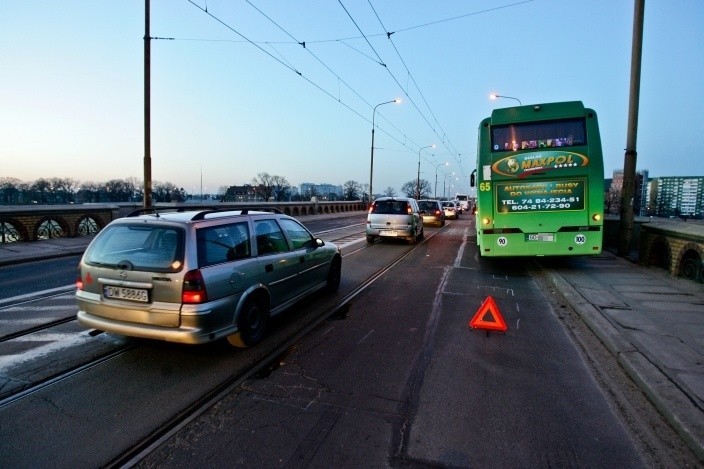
x=418, y=179
x=147, y=111
x=436, y=178
x=371, y=165
x=625, y=232
x=436, y=182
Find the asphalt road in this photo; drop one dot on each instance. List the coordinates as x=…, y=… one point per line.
x=396, y=378
x=402, y=380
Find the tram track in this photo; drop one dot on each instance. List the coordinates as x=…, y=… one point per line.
x=270, y=361
x=258, y=361
x=27, y=300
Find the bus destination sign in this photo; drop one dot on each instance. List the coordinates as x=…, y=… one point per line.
x=543, y=196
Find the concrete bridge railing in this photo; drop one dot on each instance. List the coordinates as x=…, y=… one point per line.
x=38, y=222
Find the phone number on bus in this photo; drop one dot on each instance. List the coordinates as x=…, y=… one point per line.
x=546, y=206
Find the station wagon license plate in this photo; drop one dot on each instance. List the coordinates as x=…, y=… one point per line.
x=388, y=233
x=122, y=293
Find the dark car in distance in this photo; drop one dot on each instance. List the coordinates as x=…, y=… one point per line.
x=432, y=212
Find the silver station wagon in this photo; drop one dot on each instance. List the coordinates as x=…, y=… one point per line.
x=200, y=276
x=394, y=217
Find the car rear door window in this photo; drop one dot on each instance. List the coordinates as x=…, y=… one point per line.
x=223, y=243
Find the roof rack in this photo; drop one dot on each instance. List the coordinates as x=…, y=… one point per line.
x=243, y=211
x=156, y=211
x=203, y=210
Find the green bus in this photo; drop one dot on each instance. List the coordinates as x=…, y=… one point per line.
x=540, y=181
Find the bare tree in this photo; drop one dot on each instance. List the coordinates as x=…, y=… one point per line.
x=409, y=189
x=264, y=184
x=351, y=190
x=40, y=188
x=10, y=190
x=280, y=188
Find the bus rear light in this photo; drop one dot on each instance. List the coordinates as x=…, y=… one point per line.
x=596, y=217
x=486, y=221
x=193, y=288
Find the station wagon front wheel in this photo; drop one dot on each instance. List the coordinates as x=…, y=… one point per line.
x=251, y=325
x=334, y=275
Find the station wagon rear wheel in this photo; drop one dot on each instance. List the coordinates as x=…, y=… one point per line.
x=251, y=325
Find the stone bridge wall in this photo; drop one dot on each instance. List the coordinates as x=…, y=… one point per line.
x=676, y=246
x=37, y=222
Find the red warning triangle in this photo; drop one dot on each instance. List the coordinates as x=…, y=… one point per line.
x=488, y=317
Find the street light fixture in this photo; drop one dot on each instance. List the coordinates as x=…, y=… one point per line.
x=418, y=179
x=495, y=96
x=436, y=176
x=371, y=165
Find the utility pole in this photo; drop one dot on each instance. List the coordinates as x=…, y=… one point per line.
x=625, y=232
x=147, y=111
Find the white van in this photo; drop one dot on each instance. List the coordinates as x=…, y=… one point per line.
x=462, y=202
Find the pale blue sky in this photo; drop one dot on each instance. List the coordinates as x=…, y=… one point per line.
x=71, y=74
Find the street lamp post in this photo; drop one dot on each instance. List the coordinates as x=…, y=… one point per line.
x=436, y=177
x=418, y=179
x=371, y=165
x=496, y=96
x=444, y=182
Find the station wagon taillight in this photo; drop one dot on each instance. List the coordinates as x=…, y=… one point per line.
x=409, y=209
x=193, y=288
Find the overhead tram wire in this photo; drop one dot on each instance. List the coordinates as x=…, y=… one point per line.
x=393, y=76
x=381, y=62
x=445, y=141
x=303, y=44
x=460, y=16
x=297, y=72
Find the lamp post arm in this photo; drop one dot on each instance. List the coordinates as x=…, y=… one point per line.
x=371, y=165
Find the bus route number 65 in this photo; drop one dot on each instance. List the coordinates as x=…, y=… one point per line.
x=484, y=186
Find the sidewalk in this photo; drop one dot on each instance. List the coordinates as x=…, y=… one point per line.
x=15, y=253
x=653, y=323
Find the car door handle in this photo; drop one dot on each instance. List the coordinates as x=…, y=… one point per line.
x=269, y=268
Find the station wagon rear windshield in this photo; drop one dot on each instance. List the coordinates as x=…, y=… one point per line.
x=428, y=206
x=390, y=207
x=138, y=247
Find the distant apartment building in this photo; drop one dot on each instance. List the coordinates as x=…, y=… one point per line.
x=668, y=196
x=678, y=196
x=322, y=191
x=612, y=199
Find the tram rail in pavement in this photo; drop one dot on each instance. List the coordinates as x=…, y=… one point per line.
x=651, y=322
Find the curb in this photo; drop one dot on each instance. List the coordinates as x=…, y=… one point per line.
x=657, y=386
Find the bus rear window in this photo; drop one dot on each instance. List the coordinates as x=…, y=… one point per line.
x=547, y=134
